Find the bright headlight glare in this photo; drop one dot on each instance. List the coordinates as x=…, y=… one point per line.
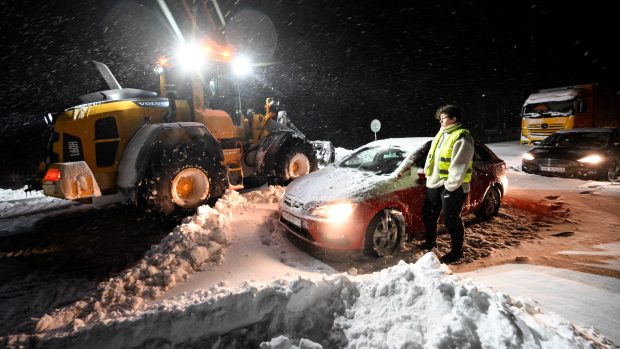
x=528, y=156
x=241, y=66
x=191, y=56
x=591, y=159
x=333, y=212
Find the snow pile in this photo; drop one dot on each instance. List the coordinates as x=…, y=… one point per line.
x=195, y=245
x=266, y=196
x=423, y=305
x=404, y=306
x=283, y=342
x=18, y=194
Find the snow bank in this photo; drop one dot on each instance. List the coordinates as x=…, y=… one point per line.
x=404, y=306
x=18, y=194
x=195, y=245
x=423, y=305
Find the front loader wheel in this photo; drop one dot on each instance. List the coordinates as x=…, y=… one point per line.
x=180, y=188
x=295, y=162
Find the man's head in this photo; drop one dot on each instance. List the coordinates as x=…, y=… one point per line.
x=448, y=115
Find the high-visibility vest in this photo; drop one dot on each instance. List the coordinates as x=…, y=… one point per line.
x=445, y=155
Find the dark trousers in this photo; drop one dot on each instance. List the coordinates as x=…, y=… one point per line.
x=440, y=200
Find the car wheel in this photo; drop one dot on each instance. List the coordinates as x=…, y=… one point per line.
x=490, y=204
x=613, y=172
x=383, y=233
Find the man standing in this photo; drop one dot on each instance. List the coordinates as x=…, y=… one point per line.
x=448, y=170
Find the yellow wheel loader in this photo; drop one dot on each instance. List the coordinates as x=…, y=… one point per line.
x=165, y=155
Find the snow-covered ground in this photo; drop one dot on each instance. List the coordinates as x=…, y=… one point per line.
x=226, y=277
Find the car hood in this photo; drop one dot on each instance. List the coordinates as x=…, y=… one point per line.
x=336, y=183
x=564, y=153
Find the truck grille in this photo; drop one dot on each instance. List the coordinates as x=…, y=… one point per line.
x=538, y=130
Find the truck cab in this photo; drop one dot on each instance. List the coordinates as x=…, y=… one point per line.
x=550, y=110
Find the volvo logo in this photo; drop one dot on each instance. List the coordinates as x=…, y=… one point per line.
x=544, y=126
x=152, y=104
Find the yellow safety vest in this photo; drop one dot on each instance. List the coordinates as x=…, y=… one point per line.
x=445, y=155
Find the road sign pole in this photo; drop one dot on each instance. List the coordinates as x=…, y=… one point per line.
x=375, y=126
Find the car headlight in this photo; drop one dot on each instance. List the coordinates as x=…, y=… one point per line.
x=591, y=159
x=528, y=156
x=337, y=212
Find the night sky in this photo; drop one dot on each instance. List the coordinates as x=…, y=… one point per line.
x=335, y=65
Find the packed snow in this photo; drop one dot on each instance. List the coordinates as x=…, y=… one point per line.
x=20, y=210
x=291, y=300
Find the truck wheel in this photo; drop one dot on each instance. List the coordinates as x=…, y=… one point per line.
x=298, y=161
x=490, y=204
x=177, y=189
x=382, y=235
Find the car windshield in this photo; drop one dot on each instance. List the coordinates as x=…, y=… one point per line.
x=381, y=160
x=548, y=109
x=578, y=140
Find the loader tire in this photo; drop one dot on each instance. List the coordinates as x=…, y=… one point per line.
x=293, y=162
x=180, y=186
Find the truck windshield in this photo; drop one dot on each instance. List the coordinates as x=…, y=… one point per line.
x=578, y=140
x=381, y=160
x=548, y=109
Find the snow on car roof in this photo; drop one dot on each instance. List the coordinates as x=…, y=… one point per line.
x=552, y=96
x=409, y=143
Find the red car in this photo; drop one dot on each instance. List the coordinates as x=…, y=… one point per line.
x=373, y=197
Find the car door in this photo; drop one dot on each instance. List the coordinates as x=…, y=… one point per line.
x=416, y=192
x=481, y=179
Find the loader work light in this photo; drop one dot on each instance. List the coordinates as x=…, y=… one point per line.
x=241, y=66
x=191, y=56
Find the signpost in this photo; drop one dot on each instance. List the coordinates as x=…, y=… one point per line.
x=375, y=126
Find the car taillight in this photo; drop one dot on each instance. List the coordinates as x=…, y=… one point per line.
x=52, y=175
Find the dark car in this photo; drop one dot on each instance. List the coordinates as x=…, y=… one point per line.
x=371, y=199
x=588, y=153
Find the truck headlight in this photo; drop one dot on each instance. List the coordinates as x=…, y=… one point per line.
x=528, y=156
x=591, y=159
x=337, y=212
